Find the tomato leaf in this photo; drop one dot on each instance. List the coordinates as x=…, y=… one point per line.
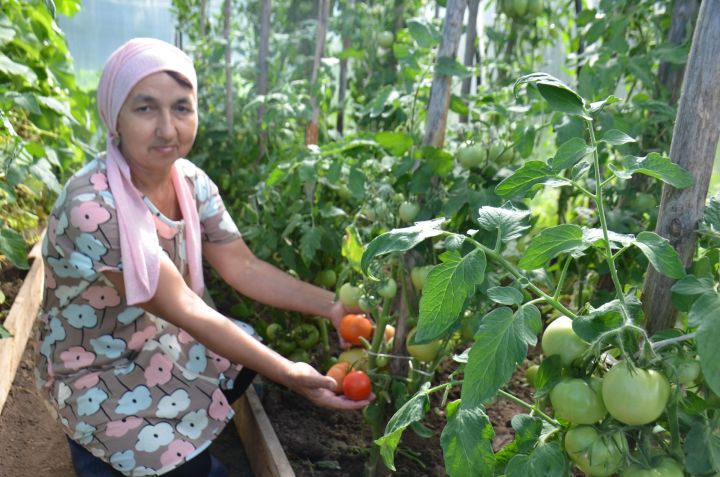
x=425, y=34
x=451, y=67
x=702, y=449
x=448, y=286
x=551, y=242
x=560, y=97
x=526, y=178
x=615, y=137
x=654, y=165
x=352, y=247
x=400, y=240
x=548, y=375
x=412, y=411
x=4, y=333
x=704, y=314
x=661, y=254
x=569, y=154
x=605, y=318
x=12, y=245
x=501, y=342
x=397, y=143
x=711, y=216
x=467, y=442
x=505, y=295
x=510, y=223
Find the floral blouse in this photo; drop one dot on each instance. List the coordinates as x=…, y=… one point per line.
x=134, y=389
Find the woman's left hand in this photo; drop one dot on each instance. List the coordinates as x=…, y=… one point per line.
x=320, y=390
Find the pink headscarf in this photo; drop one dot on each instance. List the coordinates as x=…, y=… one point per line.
x=139, y=246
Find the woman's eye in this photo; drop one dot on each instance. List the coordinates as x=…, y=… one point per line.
x=142, y=109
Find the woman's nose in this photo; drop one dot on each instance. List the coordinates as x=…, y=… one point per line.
x=165, y=128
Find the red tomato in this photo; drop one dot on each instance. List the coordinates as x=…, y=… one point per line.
x=357, y=386
x=352, y=327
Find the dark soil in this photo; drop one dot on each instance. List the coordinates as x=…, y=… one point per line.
x=11, y=279
x=325, y=443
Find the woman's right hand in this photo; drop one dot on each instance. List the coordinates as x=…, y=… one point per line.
x=319, y=389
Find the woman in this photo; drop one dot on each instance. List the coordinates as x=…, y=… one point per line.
x=138, y=369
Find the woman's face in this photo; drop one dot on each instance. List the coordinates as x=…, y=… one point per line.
x=157, y=122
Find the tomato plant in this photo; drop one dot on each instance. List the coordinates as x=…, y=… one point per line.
x=357, y=385
x=635, y=396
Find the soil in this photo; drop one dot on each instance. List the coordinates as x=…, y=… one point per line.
x=325, y=443
x=11, y=280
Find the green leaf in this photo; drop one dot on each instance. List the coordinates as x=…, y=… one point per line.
x=527, y=431
x=525, y=179
x=400, y=240
x=671, y=53
x=569, y=154
x=519, y=466
x=657, y=166
x=661, y=254
x=501, y=342
x=505, y=295
x=615, y=137
x=441, y=161
x=691, y=285
x=395, y=142
x=448, y=286
x=559, y=96
x=598, y=105
x=310, y=243
x=598, y=321
x=565, y=238
x=451, y=67
x=4, y=333
x=711, y=215
x=548, y=460
x=352, y=247
x=467, y=442
x=704, y=315
x=511, y=223
x=356, y=183
x=11, y=68
x=12, y=245
x=423, y=32
x=412, y=411
x=702, y=448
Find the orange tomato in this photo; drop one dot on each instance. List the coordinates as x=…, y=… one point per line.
x=338, y=371
x=353, y=327
x=357, y=386
x=389, y=332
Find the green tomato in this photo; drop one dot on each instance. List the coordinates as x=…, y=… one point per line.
x=273, y=331
x=386, y=39
x=388, y=288
x=299, y=355
x=306, y=335
x=344, y=192
x=506, y=156
x=535, y=7
x=595, y=454
x=531, y=374
x=408, y=211
x=425, y=352
x=471, y=156
x=326, y=278
x=366, y=303
x=667, y=467
x=578, y=401
x=637, y=397
x=560, y=339
x=418, y=275
x=520, y=7
x=686, y=370
x=285, y=345
x=349, y=295
x=357, y=358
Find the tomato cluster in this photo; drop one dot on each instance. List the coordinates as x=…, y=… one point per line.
x=602, y=405
x=294, y=343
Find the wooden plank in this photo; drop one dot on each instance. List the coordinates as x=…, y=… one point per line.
x=262, y=446
x=20, y=322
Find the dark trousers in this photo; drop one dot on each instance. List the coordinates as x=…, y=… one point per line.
x=202, y=465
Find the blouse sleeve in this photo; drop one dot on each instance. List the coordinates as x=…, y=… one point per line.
x=83, y=237
x=215, y=222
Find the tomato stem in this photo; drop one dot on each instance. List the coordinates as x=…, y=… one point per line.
x=529, y=407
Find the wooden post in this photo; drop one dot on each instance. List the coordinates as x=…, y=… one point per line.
x=694, y=144
x=262, y=81
x=470, y=37
x=348, y=16
x=441, y=84
x=311, y=132
x=227, y=21
x=671, y=76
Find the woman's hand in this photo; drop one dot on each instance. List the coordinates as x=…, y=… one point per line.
x=319, y=389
